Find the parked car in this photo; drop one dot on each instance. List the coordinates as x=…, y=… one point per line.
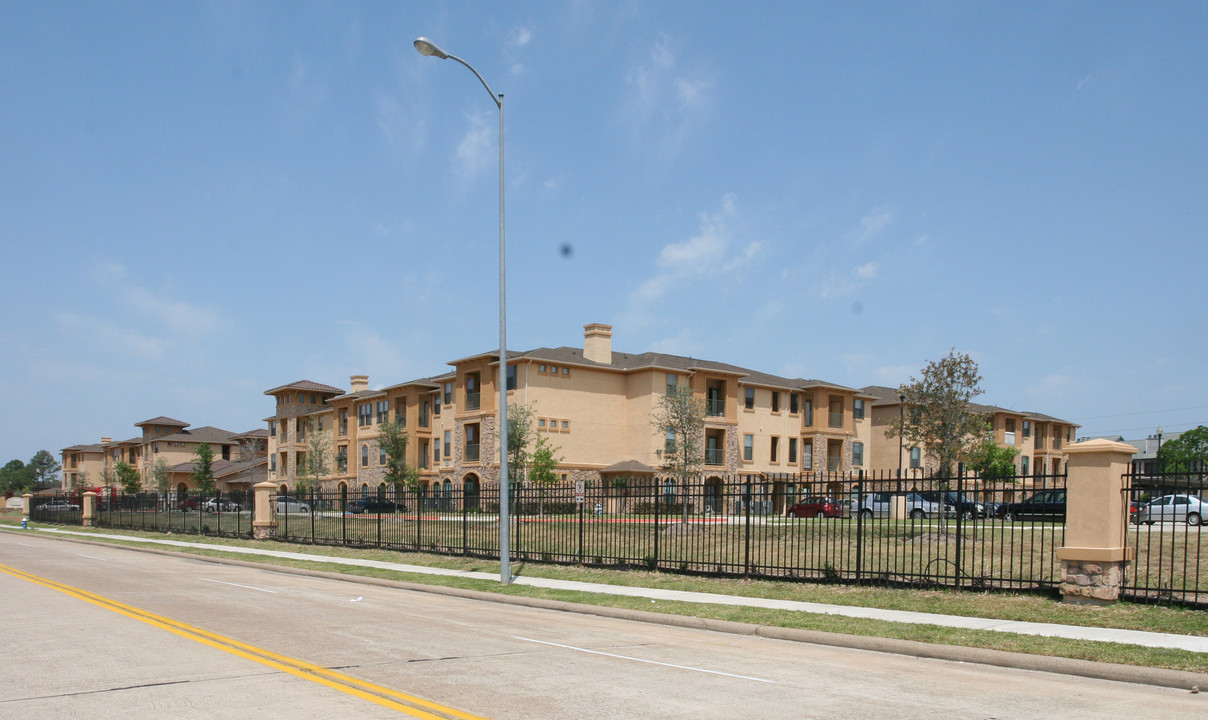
x=1173, y=508
x=216, y=505
x=814, y=506
x=189, y=504
x=961, y=504
x=1044, y=505
x=289, y=506
x=880, y=505
x=373, y=505
x=59, y=506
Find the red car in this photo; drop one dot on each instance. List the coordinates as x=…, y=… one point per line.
x=814, y=506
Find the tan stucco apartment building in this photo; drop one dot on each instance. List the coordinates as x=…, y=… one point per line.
x=594, y=404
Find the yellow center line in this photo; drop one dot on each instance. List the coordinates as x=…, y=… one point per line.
x=372, y=692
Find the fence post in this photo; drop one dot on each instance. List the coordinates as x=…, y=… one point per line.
x=746, y=552
x=1094, y=559
x=27, y=504
x=264, y=513
x=860, y=528
x=89, y=508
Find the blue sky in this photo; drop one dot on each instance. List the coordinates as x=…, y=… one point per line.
x=200, y=201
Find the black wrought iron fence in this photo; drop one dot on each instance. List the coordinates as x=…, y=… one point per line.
x=959, y=532
x=218, y=513
x=1166, y=538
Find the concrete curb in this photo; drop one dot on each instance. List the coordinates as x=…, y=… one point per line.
x=1160, y=677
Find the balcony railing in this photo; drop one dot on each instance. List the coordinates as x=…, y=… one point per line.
x=715, y=456
x=836, y=420
x=715, y=407
x=472, y=452
x=473, y=400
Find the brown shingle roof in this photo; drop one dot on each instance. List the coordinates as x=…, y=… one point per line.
x=161, y=420
x=308, y=386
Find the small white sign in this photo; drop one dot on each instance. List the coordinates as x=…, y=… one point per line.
x=580, y=492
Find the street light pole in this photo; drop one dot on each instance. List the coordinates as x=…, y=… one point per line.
x=430, y=49
x=901, y=431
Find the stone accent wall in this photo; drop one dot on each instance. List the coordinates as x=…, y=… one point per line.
x=1091, y=582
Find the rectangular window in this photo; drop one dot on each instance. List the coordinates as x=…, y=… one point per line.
x=383, y=411
x=272, y=463
x=471, y=443
x=541, y=423
x=299, y=429
x=671, y=381
x=436, y=406
x=342, y=459
x=775, y=446
x=794, y=403
x=775, y=401
x=300, y=467
x=542, y=368
x=343, y=422
x=857, y=409
x=423, y=454
x=807, y=454
x=748, y=447
x=435, y=450
x=916, y=458
x=1023, y=464
x=364, y=415
x=511, y=377
x=809, y=412
x=792, y=451
x=669, y=443
x=272, y=428
x=448, y=443
x=857, y=454
x=448, y=393
x=381, y=455
x=1008, y=435
x=565, y=425
x=565, y=371
x=423, y=412
x=1027, y=428
x=400, y=412
x=835, y=416
x=553, y=369
x=750, y=399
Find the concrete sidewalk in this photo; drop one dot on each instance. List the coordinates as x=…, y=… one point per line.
x=1073, y=632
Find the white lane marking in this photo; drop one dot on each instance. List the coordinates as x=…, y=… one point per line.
x=652, y=662
x=92, y=557
x=246, y=587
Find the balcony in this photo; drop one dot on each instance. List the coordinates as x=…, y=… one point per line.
x=472, y=452
x=715, y=456
x=835, y=419
x=473, y=400
x=715, y=407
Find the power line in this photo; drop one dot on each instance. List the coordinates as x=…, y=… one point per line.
x=1136, y=429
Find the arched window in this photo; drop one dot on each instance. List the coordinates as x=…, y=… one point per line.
x=364, y=456
x=669, y=490
x=364, y=490
x=381, y=491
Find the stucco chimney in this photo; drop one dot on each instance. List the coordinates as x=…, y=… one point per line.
x=359, y=383
x=105, y=440
x=597, y=343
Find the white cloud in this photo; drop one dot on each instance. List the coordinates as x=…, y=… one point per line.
x=707, y=254
x=475, y=150
x=839, y=285
x=665, y=102
x=871, y=225
x=98, y=335
x=521, y=36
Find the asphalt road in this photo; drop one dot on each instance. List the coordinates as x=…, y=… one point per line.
x=236, y=641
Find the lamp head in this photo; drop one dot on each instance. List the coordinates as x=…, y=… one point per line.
x=429, y=48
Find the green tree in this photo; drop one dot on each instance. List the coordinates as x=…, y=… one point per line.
x=161, y=477
x=203, y=468
x=1186, y=453
x=393, y=439
x=128, y=478
x=992, y=461
x=318, y=458
x=679, y=417
x=108, y=477
x=520, y=440
x=45, y=469
x=939, y=417
x=544, y=463
x=16, y=477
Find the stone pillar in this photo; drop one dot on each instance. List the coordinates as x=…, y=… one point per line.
x=89, y=509
x=27, y=504
x=264, y=517
x=1094, y=559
